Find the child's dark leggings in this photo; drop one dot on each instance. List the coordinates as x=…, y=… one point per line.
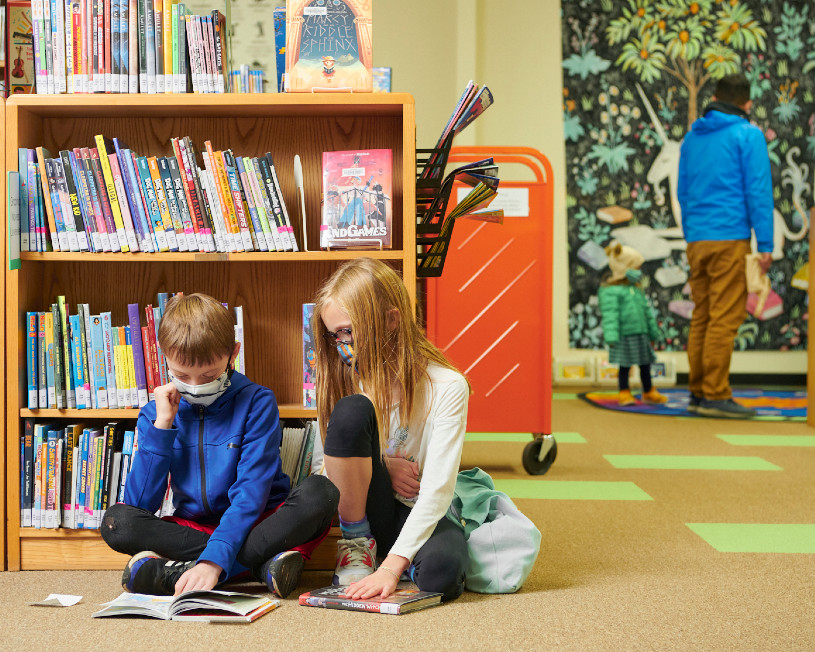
x=441, y=562
x=645, y=377
x=304, y=518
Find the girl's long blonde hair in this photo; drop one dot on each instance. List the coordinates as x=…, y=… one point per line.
x=386, y=358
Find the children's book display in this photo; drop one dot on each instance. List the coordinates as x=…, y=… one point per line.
x=108, y=198
x=202, y=606
x=433, y=187
x=329, y=46
x=404, y=599
x=128, y=46
x=357, y=199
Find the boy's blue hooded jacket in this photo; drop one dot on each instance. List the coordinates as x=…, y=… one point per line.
x=224, y=465
x=725, y=182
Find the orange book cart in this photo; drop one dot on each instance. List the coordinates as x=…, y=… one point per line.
x=491, y=309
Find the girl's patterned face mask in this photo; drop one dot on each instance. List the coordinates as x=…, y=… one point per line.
x=346, y=351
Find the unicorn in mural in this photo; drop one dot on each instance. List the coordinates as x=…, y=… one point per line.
x=665, y=166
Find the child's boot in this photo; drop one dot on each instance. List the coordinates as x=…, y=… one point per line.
x=626, y=398
x=653, y=396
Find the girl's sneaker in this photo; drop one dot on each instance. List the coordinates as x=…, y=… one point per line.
x=148, y=572
x=626, y=398
x=653, y=396
x=356, y=559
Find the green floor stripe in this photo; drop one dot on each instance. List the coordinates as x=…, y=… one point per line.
x=769, y=440
x=757, y=537
x=691, y=462
x=524, y=437
x=563, y=396
x=571, y=490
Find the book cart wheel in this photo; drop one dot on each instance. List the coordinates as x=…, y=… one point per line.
x=539, y=454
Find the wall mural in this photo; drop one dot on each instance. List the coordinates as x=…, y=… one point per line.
x=636, y=74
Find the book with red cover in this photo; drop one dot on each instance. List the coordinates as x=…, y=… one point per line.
x=357, y=207
x=404, y=599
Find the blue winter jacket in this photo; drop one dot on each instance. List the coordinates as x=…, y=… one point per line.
x=224, y=465
x=725, y=183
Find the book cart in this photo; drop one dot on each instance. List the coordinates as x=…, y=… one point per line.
x=271, y=287
x=491, y=310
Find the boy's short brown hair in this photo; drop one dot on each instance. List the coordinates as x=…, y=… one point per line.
x=196, y=330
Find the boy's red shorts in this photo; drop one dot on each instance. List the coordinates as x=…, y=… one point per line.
x=304, y=549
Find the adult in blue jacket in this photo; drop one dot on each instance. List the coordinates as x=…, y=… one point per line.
x=217, y=435
x=725, y=192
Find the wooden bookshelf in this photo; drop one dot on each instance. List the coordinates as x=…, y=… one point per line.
x=271, y=287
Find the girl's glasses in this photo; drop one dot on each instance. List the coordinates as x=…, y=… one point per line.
x=342, y=336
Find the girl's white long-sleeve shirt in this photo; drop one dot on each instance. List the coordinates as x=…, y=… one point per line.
x=434, y=440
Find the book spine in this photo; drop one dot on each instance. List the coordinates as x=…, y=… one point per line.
x=51, y=360
x=182, y=49
x=167, y=44
x=139, y=202
x=138, y=353
x=25, y=232
x=65, y=341
x=158, y=18
x=27, y=472
x=130, y=358
x=197, y=192
x=152, y=344
x=218, y=52
x=71, y=42
x=35, y=243
x=86, y=165
x=172, y=204
x=260, y=204
x=223, y=234
x=287, y=222
x=190, y=194
x=51, y=170
x=234, y=188
x=85, y=204
x=162, y=360
x=59, y=369
x=76, y=217
x=87, y=360
x=249, y=201
x=103, y=148
x=116, y=239
x=178, y=188
x=161, y=201
x=221, y=189
x=108, y=51
x=279, y=230
x=32, y=349
x=77, y=367
x=42, y=382
x=127, y=218
x=148, y=363
x=64, y=202
x=42, y=161
x=110, y=372
x=143, y=167
x=124, y=46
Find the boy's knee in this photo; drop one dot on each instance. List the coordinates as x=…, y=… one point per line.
x=116, y=525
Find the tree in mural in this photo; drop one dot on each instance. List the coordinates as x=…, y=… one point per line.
x=693, y=41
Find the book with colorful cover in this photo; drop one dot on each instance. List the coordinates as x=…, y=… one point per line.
x=209, y=606
x=357, y=199
x=309, y=358
x=329, y=47
x=404, y=599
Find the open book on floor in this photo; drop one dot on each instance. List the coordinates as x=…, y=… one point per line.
x=406, y=598
x=216, y=606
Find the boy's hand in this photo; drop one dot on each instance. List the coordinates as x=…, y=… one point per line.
x=203, y=576
x=404, y=476
x=167, y=400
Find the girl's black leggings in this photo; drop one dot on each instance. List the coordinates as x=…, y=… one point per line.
x=645, y=377
x=440, y=564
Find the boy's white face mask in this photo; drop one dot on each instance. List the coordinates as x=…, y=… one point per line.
x=205, y=394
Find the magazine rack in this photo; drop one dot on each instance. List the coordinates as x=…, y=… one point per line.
x=431, y=207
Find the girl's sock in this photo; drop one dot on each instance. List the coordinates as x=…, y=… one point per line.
x=356, y=529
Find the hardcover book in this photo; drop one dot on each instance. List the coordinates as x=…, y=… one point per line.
x=216, y=606
x=328, y=46
x=309, y=358
x=357, y=199
x=406, y=598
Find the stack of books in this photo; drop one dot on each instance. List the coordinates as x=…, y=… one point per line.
x=108, y=198
x=82, y=361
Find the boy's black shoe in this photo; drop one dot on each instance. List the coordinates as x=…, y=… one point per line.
x=726, y=408
x=282, y=572
x=694, y=403
x=147, y=572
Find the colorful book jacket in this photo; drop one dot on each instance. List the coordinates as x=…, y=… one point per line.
x=328, y=46
x=405, y=598
x=309, y=358
x=357, y=199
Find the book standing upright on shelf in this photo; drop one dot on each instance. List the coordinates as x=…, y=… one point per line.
x=328, y=47
x=357, y=199
x=309, y=358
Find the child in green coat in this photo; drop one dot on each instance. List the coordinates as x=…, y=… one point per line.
x=629, y=326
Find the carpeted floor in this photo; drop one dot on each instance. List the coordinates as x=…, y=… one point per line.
x=770, y=405
x=658, y=534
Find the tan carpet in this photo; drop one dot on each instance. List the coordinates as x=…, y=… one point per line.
x=612, y=575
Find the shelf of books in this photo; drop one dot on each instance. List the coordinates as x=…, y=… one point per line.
x=98, y=294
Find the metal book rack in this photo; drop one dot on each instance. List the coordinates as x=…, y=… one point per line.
x=431, y=207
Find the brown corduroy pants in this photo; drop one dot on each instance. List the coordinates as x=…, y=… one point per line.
x=719, y=292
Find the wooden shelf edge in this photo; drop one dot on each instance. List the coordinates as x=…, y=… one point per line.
x=250, y=257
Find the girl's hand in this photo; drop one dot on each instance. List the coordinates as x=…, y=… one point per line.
x=378, y=584
x=203, y=576
x=404, y=476
x=167, y=401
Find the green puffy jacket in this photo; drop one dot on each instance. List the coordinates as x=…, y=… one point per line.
x=625, y=311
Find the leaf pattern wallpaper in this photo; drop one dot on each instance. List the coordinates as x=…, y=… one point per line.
x=636, y=74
